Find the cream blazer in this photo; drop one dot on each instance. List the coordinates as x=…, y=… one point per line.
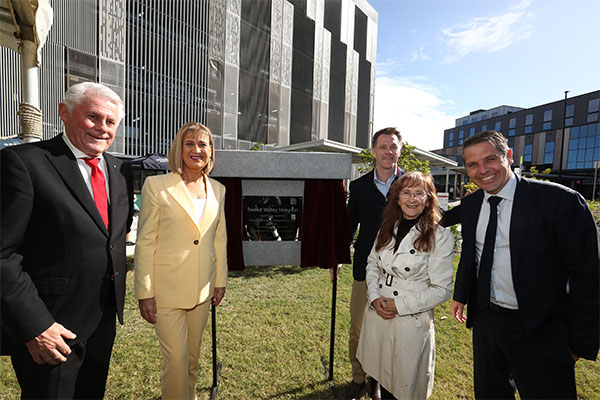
x=179, y=261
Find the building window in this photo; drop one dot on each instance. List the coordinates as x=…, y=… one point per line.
x=593, y=108
x=569, y=115
x=472, y=131
x=549, y=153
x=528, y=123
x=483, y=127
x=547, y=120
x=498, y=126
x=584, y=146
x=511, y=126
x=527, y=152
x=461, y=134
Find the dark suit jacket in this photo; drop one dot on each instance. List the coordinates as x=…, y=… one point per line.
x=365, y=207
x=553, y=241
x=56, y=251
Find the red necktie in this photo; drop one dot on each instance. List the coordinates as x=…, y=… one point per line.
x=99, y=188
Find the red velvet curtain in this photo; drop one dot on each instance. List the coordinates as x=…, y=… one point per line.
x=324, y=224
x=233, y=216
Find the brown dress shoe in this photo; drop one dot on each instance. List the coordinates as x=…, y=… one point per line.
x=353, y=391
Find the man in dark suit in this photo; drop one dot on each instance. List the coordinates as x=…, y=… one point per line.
x=65, y=211
x=529, y=272
x=368, y=198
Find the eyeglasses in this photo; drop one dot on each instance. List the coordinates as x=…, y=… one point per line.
x=419, y=196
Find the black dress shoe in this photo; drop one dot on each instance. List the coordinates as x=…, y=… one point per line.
x=375, y=389
x=354, y=389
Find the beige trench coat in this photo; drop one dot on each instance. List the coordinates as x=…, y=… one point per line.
x=400, y=352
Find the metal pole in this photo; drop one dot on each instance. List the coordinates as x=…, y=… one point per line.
x=562, y=139
x=595, y=174
x=30, y=73
x=216, y=365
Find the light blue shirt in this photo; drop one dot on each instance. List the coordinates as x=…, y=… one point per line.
x=502, y=290
x=384, y=187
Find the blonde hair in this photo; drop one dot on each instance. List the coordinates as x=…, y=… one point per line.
x=176, y=153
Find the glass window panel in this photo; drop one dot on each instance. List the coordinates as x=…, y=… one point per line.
x=570, y=165
x=572, y=156
x=580, y=156
x=451, y=136
x=472, y=131
x=569, y=121
x=460, y=141
x=573, y=143
x=580, y=164
x=549, y=146
x=592, y=117
x=547, y=126
x=450, y=143
x=589, y=154
x=591, y=140
x=461, y=134
x=548, y=158
x=592, y=129
x=512, y=123
x=593, y=105
x=511, y=132
x=498, y=125
x=597, y=154
x=582, y=143
x=575, y=132
x=570, y=110
x=529, y=119
x=528, y=129
x=483, y=127
x=589, y=164
x=547, y=115
x=583, y=131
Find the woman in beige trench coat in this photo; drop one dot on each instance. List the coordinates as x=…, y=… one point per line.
x=409, y=272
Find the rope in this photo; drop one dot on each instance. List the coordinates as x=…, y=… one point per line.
x=30, y=119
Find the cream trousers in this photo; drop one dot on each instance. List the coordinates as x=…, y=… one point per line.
x=179, y=333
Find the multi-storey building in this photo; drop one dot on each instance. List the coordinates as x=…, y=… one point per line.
x=280, y=72
x=536, y=137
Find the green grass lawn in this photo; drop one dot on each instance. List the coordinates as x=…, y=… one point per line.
x=273, y=331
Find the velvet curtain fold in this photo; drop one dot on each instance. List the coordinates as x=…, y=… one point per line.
x=324, y=224
x=233, y=217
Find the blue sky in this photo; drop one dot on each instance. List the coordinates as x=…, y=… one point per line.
x=437, y=60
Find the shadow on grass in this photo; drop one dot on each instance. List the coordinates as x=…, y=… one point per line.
x=267, y=271
x=326, y=393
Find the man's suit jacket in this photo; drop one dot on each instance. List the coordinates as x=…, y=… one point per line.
x=365, y=207
x=553, y=243
x=178, y=261
x=56, y=251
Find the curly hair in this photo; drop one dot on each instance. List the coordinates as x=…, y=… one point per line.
x=428, y=221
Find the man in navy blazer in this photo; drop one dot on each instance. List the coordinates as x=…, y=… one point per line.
x=63, y=262
x=368, y=198
x=542, y=311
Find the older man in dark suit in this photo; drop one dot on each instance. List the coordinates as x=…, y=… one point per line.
x=64, y=214
x=529, y=272
x=368, y=198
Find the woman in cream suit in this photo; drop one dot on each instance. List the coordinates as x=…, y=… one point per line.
x=180, y=257
x=409, y=272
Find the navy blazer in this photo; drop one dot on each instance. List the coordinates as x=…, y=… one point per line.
x=365, y=207
x=56, y=252
x=553, y=243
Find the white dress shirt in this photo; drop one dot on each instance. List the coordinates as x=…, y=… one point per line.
x=502, y=290
x=86, y=170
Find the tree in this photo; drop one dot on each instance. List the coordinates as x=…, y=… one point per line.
x=407, y=161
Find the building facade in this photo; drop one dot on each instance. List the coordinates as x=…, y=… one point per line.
x=278, y=72
x=536, y=137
